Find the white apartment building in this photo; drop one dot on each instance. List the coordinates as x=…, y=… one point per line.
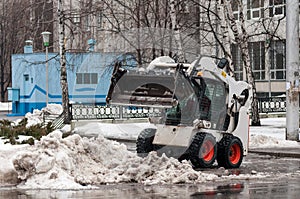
x=113, y=26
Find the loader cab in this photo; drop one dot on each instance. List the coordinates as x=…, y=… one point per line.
x=187, y=103
x=201, y=98
x=215, y=93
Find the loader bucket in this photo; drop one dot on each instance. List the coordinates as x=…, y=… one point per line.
x=148, y=89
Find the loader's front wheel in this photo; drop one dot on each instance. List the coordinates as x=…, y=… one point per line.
x=230, y=152
x=144, y=142
x=203, y=150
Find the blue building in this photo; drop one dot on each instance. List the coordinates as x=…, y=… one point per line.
x=88, y=78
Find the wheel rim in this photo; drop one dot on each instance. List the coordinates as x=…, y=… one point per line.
x=235, y=154
x=207, y=152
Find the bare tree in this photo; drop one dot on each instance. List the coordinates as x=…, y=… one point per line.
x=145, y=26
x=227, y=30
x=63, y=69
x=177, y=35
x=11, y=39
x=241, y=37
x=15, y=28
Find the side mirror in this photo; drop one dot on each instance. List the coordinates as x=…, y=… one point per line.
x=223, y=63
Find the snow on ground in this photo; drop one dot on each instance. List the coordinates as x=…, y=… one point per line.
x=270, y=134
x=77, y=162
x=128, y=131
x=5, y=106
x=37, y=116
x=85, y=162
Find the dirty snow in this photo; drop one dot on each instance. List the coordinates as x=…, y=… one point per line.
x=37, y=116
x=79, y=163
x=270, y=134
x=76, y=163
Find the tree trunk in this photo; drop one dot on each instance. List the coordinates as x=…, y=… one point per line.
x=139, y=51
x=242, y=39
x=226, y=39
x=63, y=69
x=245, y=56
x=2, y=71
x=181, y=56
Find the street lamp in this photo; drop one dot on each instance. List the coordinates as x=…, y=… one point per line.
x=46, y=36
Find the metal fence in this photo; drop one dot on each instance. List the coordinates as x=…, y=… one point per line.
x=87, y=111
x=272, y=105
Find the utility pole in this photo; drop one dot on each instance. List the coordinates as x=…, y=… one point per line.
x=292, y=70
x=2, y=31
x=63, y=69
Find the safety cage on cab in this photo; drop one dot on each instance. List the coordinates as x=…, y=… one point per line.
x=201, y=98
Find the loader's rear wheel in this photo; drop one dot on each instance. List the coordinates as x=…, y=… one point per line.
x=230, y=152
x=144, y=142
x=203, y=150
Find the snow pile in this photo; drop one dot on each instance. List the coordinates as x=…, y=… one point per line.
x=33, y=118
x=75, y=162
x=264, y=141
x=37, y=117
x=8, y=174
x=270, y=134
x=53, y=109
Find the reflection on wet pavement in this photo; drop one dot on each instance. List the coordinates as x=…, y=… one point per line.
x=282, y=188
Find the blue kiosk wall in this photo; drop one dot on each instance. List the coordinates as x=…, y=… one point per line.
x=88, y=78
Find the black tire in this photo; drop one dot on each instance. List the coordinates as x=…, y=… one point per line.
x=144, y=142
x=203, y=150
x=230, y=152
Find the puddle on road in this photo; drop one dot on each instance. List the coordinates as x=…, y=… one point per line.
x=249, y=189
x=230, y=189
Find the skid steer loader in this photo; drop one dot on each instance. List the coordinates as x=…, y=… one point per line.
x=204, y=111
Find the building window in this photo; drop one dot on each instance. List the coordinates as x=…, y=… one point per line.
x=237, y=62
x=108, y=22
x=255, y=9
x=87, y=22
x=277, y=53
x=257, y=59
x=86, y=78
x=26, y=77
x=276, y=8
x=183, y=7
x=100, y=20
x=76, y=17
x=235, y=9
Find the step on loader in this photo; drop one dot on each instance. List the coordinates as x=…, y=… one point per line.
x=204, y=112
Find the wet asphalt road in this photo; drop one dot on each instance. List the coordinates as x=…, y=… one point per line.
x=282, y=189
